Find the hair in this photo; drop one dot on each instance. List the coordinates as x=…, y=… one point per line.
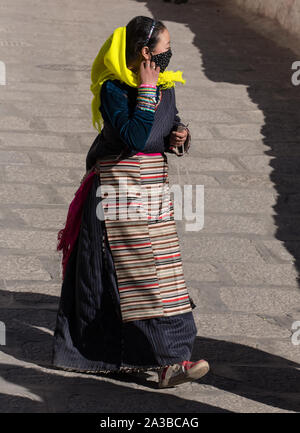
x=137, y=31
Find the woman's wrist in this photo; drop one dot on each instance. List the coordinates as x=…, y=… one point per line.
x=146, y=98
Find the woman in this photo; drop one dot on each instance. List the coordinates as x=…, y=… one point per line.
x=124, y=306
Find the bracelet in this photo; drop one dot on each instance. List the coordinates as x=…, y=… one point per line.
x=147, y=85
x=146, y=98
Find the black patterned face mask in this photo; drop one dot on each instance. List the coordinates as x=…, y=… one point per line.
x=162, y=59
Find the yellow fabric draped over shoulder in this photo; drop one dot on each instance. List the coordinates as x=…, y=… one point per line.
x=110, y=63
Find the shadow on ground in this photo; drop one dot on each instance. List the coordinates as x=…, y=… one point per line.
x=231, y=52
x=238, y=369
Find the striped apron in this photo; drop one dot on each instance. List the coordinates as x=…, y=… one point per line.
x=142, y=236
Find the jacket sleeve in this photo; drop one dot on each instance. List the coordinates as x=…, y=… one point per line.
x=134, y=128
x=176, y=122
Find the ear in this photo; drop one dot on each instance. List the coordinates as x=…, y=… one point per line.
x=146, y=53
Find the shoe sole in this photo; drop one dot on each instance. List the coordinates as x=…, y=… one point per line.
x=194, y=373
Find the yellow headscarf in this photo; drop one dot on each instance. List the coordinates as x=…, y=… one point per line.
x=110, y=63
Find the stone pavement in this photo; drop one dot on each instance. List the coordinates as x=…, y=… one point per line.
x=241, y=268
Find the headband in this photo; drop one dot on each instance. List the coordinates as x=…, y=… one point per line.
x=150, y=33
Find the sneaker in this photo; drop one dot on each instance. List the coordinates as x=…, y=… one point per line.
x=184, y=371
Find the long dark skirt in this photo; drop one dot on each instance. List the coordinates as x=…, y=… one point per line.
x=90, y=335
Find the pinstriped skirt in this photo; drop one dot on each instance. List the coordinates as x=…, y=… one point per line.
x=149, y=324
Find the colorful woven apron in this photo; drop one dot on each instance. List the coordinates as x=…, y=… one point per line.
x=142, y=236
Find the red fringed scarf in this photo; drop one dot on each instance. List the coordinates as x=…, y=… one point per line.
x=67, y=236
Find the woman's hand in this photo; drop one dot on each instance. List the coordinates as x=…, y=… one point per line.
x=148, y=73
x=178, y=138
